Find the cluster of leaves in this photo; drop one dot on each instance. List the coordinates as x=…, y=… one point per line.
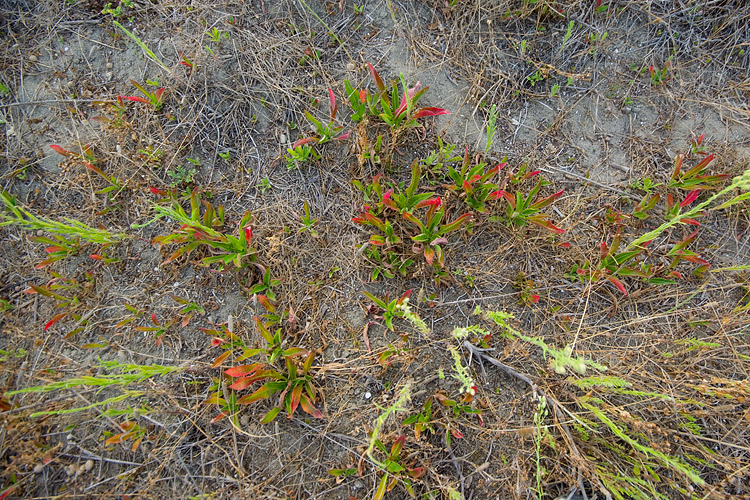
x=396, y=109
x=278, y=372
x=427, y=420
x=395, y=469
x=398, y=214
x=196, y=230
x=634, y=261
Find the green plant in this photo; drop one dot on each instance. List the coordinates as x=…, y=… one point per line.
x=541, y=432
x=473, y=183
x=522, y=210
x=443, y=155
x=645, y=184
x=216, y=35
x=649, y=201
x=124, y=375
x=300, y=154
x=264, y=185
x=386, y=261
x=491, y=129
x=394, y=469
x=154, y=98
x=293, y=382
x=561, y=359
x=307, y=221
x=266, y=286
x=325, y=132
x=181, y=176
x=196, y=231
x=19, y=216
x=432, y=233
x=659, y=76
x=388, y=310
x=142, y=46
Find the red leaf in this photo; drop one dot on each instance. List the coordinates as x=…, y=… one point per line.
x=61, y=151
x=296, y=396
x=54, y=320
x=136, y=99
x=243, y=383
x=618, y=284
x=308, y=407
x=332, y=98
x=242, y=370
x=430, y=112
x=375, y=76
x=692, y=195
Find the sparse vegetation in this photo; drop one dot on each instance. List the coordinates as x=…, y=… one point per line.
x=184, y=317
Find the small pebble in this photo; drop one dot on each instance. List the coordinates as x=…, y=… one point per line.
x=244, y=420
x=89, y=465
x=350, y=66
x=33, y=58
x=368, y=395
x=282, y=138
x=108, y=75
x=38, y=468
x=108, y=65
x=70, y=470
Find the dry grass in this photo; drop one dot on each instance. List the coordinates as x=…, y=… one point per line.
x=668, y=418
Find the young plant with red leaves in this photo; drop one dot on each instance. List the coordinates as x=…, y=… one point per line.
x=54, y=289
x=60, y=247
x=693, y=178
x=159, y=329
x=523, y=210
x=395, y=469
x=680, y=252
x=397, y=110
x=612, y=265
x=325, y=132
x=154, y=98
x=197, y=230
x=473, y=183
x=293, y=382
x=432, y=233
x=387, y=310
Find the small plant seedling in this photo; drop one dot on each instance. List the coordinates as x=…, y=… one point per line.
x=395, y=470
x=473, y=183
x=154, y=98
x=266, y=286
x=158, y=329
x=300, y=154
x=293, y=382
x=524, y=209
x=660, y=76
x=693, y=178
x=432, y=233
x=327, y=132
x=216, y=35
x=308, y=222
